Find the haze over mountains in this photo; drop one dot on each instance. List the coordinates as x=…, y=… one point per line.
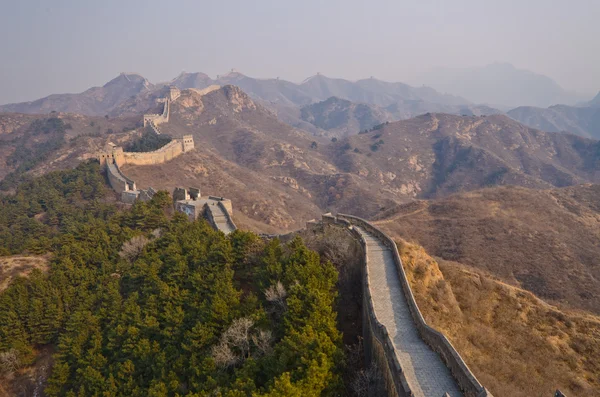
x=501, y=84
x=336, y=107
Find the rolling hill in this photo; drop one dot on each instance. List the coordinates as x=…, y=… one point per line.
x=438, y=154
x=544, y=241
x=582, y=121
x=280, y=176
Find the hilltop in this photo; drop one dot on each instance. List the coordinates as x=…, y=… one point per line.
x=341, y=117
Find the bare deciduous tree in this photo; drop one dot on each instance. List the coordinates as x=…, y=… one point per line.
x=238, y=335
x=133, y=248
x=235, y=344
x=276, y=294
x=223, y=356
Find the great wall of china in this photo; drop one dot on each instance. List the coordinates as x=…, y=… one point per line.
x=414, y=359
x=217, y=210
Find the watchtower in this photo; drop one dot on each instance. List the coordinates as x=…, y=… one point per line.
x=188, y=143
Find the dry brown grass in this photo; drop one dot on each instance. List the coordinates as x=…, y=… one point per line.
x=17, y=265
x=544, y=241
x=516, y=344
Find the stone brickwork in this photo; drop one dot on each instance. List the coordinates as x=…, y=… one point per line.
x=415, y=359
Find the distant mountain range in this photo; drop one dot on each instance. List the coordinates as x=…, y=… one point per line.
x=594, y=103
x=108, y=99
x=336, y=107
x=501, y=84
x=341, y=117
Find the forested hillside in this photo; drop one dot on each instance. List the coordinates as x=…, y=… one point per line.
x=142, y=302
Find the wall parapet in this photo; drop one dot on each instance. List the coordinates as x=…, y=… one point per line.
x=435, y=339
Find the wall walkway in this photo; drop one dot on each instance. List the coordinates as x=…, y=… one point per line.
x=415, y=359
x=424, y=370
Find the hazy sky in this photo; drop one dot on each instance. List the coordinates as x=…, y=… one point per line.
x=56, y=46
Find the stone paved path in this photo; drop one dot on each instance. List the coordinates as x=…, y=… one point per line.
x=221, y=219
x=425, y=372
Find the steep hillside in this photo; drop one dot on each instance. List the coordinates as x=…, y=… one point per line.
x=275, y=174
x=544, y=241
x=341, y=117
x=437, y=154
x=41, y=143
x=582, y=121
x=280, y=176
x=96, y=101
x=407, y=109
x=516, y=344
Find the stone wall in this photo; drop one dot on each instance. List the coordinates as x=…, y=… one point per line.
x=166, y=153
x=162, y=155
x=378, y=345
x=159, y=118
x=115, y=157
x=117, y=180
x=225, y=203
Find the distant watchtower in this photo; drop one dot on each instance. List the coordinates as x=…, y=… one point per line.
x=188, y=143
